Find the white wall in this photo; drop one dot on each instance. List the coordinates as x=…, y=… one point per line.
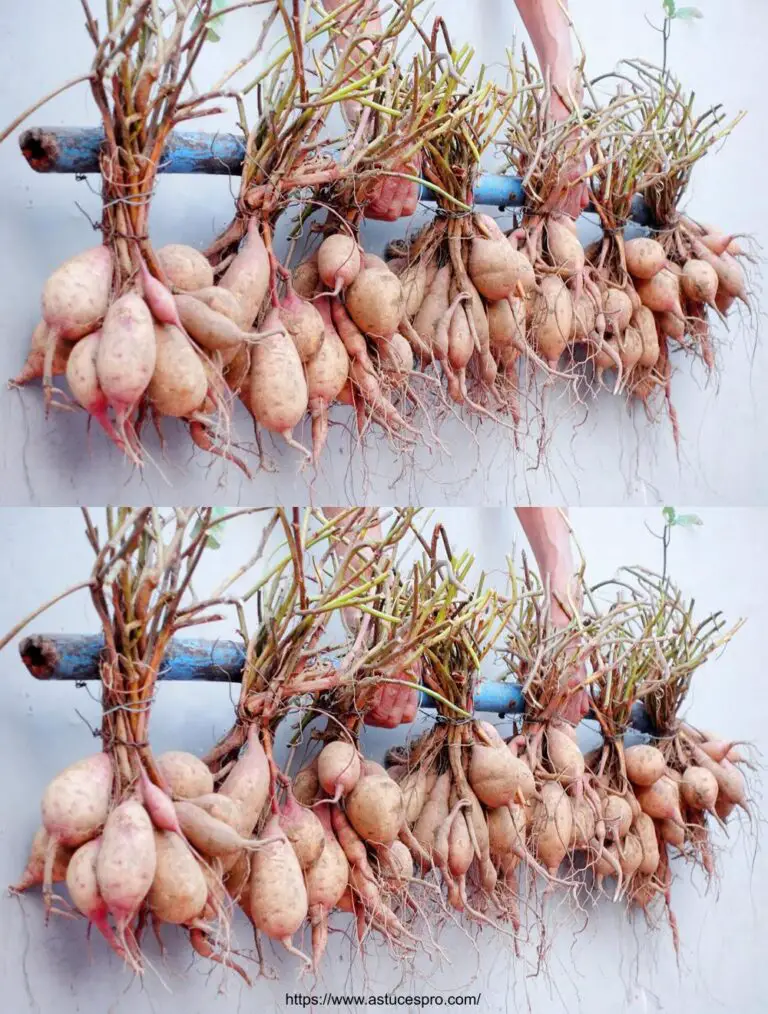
x=612, y=457
x=608, y=966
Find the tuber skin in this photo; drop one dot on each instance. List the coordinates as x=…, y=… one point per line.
x=278, y=894
x=34, y=365
x=278, y=387
x=247, y=277
x=75, y=297
x=338, y=261
x=185, y=775
x=303, y=323
x=83, y=382
x=375, y=302
x=185, y=268
x=375, y=808
x=126, y=354
x=126, y=862
x=179, y=384
x=338, y=768
x=179, y=891
x=35, y=869
x=248, y=781
x=327, y=879
x=84, y=891
x=326, y=373
x=304, y=831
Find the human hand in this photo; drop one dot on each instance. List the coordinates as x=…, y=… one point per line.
x=578, y=703
x=393, y=705
x=393, y=196
x=575, y=195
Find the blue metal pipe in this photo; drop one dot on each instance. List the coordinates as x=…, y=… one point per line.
x=193, y=659
x=76, y=150
x=76, y=657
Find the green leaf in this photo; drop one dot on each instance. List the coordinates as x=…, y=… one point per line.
x=688, y=13
x=669, y=7
x=215, y=532
x=669, y=515
x=688, y=520
x=211, y=34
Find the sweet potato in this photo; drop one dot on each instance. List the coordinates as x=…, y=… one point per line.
x=126, y=862
x=248, y=781
x=326, y=881
x=83, y=888
x=644, y=763
x=75, y=297
x=184, y=774
x=35, y=869
x=376, y=809
x=338, y=768
x=551, y=319
x=185, y=268
x=551, y=827
x=338, y=261
x=375, y=302
x=179, y=384
x=278, y=895
x=303, y=830
x=645, y=257
x=179, y=891
x=278, y=387
x=75, y=803
x=248, y=274
x=126, y=354
x=495, y=774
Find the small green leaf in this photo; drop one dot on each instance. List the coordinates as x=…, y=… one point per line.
x=688, y=13
x=213, y=538
x=669, y=8
x=669, y=515
x=211, y=33
x=688, y=520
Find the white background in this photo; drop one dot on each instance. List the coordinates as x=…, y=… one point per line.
x=610, y=965
x=612, y=456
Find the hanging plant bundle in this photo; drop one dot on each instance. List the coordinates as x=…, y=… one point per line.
x=304, y=365
x=145, y=838
x=454, y=777
x=572, y=308
x=459, y=266
x=623, y=162
x=700, y=274
x=120, y=320
x=364, y=302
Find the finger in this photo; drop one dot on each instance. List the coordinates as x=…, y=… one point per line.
x=380, y=723
x=395, y=209
x=412, y=706
x=386, y=703
x=385, y=195
x=411, y=202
